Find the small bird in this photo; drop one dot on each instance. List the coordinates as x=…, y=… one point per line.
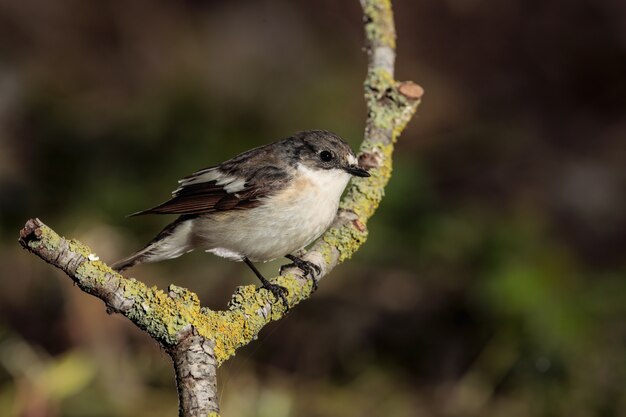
x=266, y=203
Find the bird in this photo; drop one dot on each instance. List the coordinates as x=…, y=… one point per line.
x=263, y=204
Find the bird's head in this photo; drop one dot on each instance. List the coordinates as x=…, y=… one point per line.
x=323, y=150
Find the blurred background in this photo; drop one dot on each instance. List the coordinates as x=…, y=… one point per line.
x=494, y=279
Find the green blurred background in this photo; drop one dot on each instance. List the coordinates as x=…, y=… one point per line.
x=492, y=284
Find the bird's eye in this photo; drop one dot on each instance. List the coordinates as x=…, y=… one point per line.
x=326, y=156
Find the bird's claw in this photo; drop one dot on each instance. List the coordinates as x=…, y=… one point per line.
x=279, y=292
x=306, y=267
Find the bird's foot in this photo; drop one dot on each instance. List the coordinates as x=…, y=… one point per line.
x=279, y=292
x=310, y=269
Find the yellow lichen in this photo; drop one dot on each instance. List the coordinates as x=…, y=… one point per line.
x=379, y=25
x=346, y=240
x=48, y=238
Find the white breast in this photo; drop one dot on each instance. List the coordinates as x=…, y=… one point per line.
x=285, y=222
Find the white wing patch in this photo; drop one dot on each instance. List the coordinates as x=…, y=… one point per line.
x=231, y=184
x=206, y=175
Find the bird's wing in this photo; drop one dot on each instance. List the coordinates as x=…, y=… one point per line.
x=223, y=187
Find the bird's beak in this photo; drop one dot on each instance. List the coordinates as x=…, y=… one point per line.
x=356, y=171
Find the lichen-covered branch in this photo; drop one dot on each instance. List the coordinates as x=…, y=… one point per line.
x=199, y=339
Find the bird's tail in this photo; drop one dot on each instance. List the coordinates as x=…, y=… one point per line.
x=131, y=260
x=173, y=241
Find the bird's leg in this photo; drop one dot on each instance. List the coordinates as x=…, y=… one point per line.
x=278, y=291
x=305, y=266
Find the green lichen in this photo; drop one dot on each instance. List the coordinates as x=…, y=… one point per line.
x=326, y=249
x=48, y=238
x=248, y=313
x=405, y=109
x=80, y=248
x=90, y=275
x=236, y=327
x=184, y=296
x=365, y=195
x=346, y=240
x=297, y=291
x=161, y=315
x=379, y=85
x=389, y=110
x=379, y=80
x=379, y=26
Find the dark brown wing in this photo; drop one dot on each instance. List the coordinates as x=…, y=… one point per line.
x=222, y=188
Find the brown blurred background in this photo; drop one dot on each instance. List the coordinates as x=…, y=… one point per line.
x=494, y=279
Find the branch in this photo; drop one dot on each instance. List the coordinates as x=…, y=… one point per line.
x=199, y=339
